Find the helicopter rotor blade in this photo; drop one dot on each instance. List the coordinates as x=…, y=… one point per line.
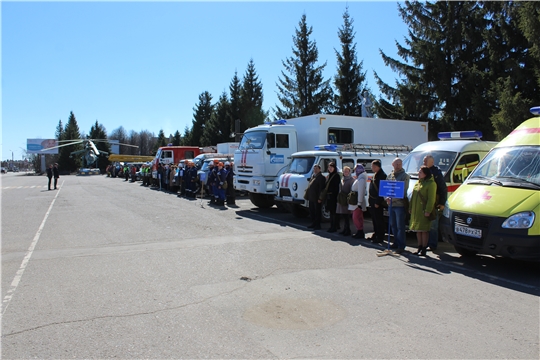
x=59, y=146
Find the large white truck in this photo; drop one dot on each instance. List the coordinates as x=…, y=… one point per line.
x=266, y=150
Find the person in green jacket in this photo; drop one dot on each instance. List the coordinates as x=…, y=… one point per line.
x=422, y=204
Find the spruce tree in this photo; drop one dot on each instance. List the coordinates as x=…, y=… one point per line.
x=186, y=138
x=217, y=129
x=302, y=90
x=251, y=99
x=349, y=81
x=234, y=107
x=176, y=138
x=59, y=130
x=161, y=141
x=202, y=113
x=67, y=162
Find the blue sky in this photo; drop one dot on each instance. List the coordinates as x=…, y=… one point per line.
x=142, y=65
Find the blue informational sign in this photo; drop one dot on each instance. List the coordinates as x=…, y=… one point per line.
x=202, y=177
x=392, y=189
x=277, y=159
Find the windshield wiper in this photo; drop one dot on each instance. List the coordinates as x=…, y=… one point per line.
x=519, y=180
x=484, y=180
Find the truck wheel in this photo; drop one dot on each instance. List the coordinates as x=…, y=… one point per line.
x=262, y=201
x=299, y=211
x=325, y=215
x=465, y=252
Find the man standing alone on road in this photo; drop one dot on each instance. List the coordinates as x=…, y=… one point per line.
x=50, y=175
x=315, y=187
x=442, y=194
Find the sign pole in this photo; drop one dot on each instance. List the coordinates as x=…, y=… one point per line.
x=390, y=189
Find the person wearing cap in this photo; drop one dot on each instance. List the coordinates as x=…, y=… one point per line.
x=231, y=196
x=220, y=180
x=376, y=203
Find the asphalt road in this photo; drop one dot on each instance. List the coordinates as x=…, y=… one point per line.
x=102, y=268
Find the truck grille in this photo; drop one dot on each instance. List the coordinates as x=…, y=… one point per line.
x=476, y=222
x=244, y=170
x=284, y=192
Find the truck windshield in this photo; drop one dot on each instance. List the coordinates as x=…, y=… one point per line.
x=253, y=140
x=301, y=165
x=443, y=159
x=510, y=166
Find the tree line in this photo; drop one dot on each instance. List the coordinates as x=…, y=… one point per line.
x=463, y=65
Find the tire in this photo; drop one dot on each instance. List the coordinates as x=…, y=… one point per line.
x=325, y=215
x=299, y=211
x=465, y=252
x=262, y=201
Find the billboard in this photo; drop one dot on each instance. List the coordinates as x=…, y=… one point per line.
x=34, y=146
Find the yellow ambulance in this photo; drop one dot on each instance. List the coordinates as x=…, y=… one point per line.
x=496, y=211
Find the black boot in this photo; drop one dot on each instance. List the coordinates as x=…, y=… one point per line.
x=419, y=251
x=359, y=235
x=423, y=251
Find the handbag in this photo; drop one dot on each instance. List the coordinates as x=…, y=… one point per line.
x=324, y=192
x=352, y=198
x=343, y=198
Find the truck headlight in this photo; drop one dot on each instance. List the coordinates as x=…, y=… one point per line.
x=256, y=182
x=522, y=220
x=446, y=211
x=294, y=186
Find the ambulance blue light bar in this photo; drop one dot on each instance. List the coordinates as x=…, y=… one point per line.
x=535, y=110
x=326, y=147
x=276, y=122
x=472, y=134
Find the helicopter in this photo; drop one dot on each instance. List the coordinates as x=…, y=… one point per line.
x=90, y=151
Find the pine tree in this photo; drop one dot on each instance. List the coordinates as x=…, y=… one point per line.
x=66, y=162
x=234, y=107
x=443, y=76
x=349, y=81
x=98, y=132
x=177, y=138
x=202, y=113
x=217, y=130
x=251, y=99
x=303, y=92
x=161, y=141
x=59, y=130
x=186, y=139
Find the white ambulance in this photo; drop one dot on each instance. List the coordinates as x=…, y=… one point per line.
x=292, y=184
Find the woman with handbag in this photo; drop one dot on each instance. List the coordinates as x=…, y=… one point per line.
x=422, y=208
x=342, y=210
x=359, y=186
x=332, y=191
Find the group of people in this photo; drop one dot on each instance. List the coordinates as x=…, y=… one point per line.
x=52, y=172
x=184, y=180
x=344, y=197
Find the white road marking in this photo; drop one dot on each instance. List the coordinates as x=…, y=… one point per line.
x=27, y=257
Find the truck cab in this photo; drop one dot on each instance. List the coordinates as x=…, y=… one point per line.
x=172, y=155
x=263, y=152
x=496, y=210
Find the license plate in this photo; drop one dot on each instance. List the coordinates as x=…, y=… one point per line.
x=287, y=198
x=242, y=186
x=467, y=231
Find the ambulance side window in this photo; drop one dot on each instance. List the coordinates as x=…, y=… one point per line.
x=323, y=163
x=349, y=163
x=468, y=161
x=340, y=136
